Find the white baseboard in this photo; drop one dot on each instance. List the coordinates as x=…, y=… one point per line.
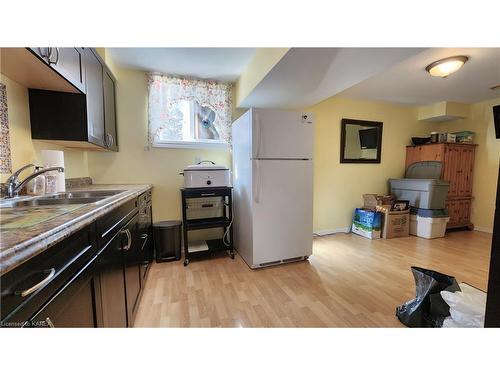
x=483, y=229
x=326, y=232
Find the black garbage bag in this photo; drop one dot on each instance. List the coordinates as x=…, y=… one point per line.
x=428, y=309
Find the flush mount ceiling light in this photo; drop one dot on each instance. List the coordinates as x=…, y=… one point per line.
x=444, y=67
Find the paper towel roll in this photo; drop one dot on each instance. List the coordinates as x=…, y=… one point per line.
x=55, y=158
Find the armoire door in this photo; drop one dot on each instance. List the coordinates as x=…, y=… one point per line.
x=466, y=164
x=433, y=152
x=451, y=169
x=412, y=155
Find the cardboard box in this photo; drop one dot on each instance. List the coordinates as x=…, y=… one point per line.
x=367, y=223
x=394, y=223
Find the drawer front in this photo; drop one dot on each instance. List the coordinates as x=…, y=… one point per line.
x=27, y=287
x=110, y=224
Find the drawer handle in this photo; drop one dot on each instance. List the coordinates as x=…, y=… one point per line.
x=37, y=286
x=129, y=239
x=207, y=194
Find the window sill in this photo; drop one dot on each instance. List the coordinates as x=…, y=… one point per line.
x=188, y=144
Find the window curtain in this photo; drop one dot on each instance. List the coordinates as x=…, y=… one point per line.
x=165, y=94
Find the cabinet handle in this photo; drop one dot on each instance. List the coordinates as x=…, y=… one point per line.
x=129, y=239
x=207, y=194
x=37, y=286
x=144, y=236
x=49, y=322
x=57, y=56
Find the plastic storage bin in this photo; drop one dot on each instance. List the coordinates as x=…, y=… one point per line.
x=428, y=227
x=167, y=239
x=422, y=186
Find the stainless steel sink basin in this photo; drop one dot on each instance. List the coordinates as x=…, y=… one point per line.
x=86, y=194
x=48, y=202
x=78, y=197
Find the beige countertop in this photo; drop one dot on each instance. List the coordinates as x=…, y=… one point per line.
x=17, y=245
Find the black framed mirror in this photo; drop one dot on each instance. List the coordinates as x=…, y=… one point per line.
x=360, y=141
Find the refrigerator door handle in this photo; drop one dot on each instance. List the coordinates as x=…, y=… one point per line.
x=258, y=182
x=259, y=138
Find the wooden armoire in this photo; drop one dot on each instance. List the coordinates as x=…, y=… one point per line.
x=458, y=164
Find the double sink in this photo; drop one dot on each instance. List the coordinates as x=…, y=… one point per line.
x=77, y=197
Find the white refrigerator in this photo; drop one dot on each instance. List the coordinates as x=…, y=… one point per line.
x=273, y=186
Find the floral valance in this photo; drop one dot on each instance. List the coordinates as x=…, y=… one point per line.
x=165, y=94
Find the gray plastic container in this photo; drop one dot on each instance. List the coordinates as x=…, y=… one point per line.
x=422, y=186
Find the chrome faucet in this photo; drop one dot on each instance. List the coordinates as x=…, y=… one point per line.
x=14, y=186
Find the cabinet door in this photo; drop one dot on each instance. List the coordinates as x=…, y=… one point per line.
x=43, y=52
x=454, y=212
x=69, y=63
x=467, y=164
x=95, y=98
x=451, y=169
x=412, y=155
x=131, y=252
x=73, y=305
x=110, y=111
x=112, y=284
x=433, y=152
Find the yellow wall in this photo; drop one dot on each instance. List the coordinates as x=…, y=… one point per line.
x=133, y=164
x=486, y=161
x=338, y=188
x=261, y=64
x=23, y=149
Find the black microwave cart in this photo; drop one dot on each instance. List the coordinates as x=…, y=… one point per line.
x=225, y=221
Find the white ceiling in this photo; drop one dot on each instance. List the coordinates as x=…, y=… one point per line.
x=223, y=64
x=306, y=76
x=409, y=83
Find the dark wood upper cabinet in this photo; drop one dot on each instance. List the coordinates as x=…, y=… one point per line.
x=110, y=136
x=95, y=98
x=67, y=61
x=85, y=121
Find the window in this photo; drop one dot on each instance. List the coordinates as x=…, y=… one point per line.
x=188, y=113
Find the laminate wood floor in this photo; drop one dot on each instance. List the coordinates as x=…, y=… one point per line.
x=349, y=281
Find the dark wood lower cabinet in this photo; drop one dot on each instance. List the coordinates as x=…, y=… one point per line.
x=94, y=278
x=131, y=257
x=111, y=293
x=73, y=305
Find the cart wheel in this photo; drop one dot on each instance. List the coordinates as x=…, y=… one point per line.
x=306, y=257
x=186, y=262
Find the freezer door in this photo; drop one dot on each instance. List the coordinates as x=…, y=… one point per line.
x=282, y=209
x=281, y=134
